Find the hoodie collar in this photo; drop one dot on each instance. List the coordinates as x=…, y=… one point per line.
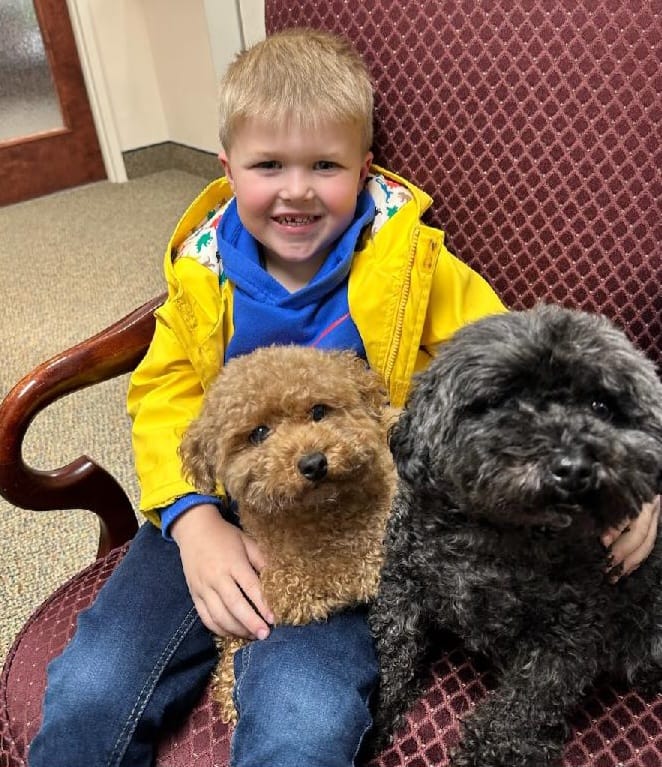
x=241, y=258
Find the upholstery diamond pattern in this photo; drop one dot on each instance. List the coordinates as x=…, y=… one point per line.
x=535, y=126
x=613, y=728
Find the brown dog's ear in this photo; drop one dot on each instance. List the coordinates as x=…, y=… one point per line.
x=198, y=453
x=370, y=387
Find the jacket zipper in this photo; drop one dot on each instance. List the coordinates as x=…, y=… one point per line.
x=400, y=319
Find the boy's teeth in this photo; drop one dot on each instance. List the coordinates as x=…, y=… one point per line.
x=293, y=220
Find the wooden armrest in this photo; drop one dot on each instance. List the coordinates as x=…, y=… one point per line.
x=81, y=484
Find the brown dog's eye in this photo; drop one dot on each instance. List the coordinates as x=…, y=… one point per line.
x=318, y=412
x=259, y=434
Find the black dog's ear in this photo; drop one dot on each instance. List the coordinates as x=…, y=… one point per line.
x=398, y=437
x=407, y=449
x=198, y=453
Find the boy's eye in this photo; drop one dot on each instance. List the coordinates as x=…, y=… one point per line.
x=325, y=165
x=267, y=165
x=259, y=434
x=318, y=412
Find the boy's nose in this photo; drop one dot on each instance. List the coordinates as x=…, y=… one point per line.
x=297, y=186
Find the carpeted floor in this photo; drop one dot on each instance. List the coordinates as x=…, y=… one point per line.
x=71, y=264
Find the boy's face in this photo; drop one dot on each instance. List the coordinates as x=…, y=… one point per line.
x=296, y=191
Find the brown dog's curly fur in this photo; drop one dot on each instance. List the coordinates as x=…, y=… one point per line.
x=298, y=438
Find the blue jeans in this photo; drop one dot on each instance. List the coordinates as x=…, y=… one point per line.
x=140, y=659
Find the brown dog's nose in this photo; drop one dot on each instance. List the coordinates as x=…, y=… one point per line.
x=313, y=466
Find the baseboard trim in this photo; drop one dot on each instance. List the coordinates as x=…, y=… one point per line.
x=170, y=155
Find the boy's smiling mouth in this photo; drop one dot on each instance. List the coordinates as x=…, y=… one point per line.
x=295, y=220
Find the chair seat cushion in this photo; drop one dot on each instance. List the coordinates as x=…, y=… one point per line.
x=613, y=728
x=202, y=741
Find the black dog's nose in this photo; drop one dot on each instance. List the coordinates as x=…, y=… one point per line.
x=313, y=466
x=573, y=472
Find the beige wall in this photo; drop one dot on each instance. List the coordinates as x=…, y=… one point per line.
x=152, y=67
x=179, y=37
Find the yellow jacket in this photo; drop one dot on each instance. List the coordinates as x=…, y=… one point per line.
x=406, y=293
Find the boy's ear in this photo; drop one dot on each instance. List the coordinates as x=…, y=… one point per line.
x=225, y=163
x=365, y=169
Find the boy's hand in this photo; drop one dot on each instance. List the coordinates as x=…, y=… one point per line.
x=630, y=544
x=220, y=562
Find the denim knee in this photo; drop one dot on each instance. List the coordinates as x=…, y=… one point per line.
x=302, y=695
x=85, y=687
x=81, y=697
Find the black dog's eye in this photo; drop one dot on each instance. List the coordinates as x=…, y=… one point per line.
x=480, y=406
x=259, y=434
x=601, y=409
x=317, y=412
x=476, y=407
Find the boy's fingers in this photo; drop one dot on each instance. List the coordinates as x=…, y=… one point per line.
x=254, y=554
x=632, y=532
x=251, y=583
x=252, y=589
x=612, y=534
x=219, y=621
x=631, y=548
x=243, y=600
x=633, y=560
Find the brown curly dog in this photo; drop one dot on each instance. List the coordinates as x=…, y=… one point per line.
x=298, y=438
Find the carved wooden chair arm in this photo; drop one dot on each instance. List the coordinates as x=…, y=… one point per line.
x=81, y=484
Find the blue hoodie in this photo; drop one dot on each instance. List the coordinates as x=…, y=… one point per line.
x=266, y=313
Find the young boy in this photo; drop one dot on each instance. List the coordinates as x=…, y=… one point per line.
x=303, y=242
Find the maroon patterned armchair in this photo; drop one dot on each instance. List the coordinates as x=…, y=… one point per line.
x=535, y=126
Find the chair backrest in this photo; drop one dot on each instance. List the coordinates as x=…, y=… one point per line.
x=535, y=126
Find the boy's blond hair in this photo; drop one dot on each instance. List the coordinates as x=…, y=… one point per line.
x=304, y=75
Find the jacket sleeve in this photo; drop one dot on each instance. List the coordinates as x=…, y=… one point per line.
x=165, y=395
x=458, y=296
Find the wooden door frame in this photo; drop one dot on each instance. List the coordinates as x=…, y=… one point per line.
x=97, y=89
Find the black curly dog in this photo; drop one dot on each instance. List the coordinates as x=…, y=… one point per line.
x=529, y=435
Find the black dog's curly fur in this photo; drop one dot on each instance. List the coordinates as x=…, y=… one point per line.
x=530, y=434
